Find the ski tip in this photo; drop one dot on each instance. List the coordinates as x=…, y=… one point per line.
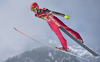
x=14, y=28
x=97, y=56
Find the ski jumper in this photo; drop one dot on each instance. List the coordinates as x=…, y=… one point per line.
x=41, y=14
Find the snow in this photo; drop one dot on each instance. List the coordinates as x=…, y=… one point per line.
x=79, y=51
x=46, y=54
x=50, y=54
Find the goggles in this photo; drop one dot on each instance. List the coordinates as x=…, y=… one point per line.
x=33, y=9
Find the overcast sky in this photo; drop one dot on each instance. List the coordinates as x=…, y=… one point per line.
x=85, y=19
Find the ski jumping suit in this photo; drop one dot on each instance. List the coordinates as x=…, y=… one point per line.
x=55, y=28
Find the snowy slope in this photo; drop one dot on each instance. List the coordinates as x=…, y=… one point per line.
x=45, y=54
x=84, y=53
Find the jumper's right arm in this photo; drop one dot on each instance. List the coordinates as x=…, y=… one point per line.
x=59, y=14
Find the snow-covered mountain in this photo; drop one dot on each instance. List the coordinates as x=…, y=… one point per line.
x=46, y=54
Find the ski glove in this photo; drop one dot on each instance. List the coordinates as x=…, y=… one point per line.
x=66, y=16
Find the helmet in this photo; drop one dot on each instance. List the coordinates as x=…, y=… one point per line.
x=34, y=5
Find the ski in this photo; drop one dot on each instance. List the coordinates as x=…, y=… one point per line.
x=51, y=46
x=72, y=37
x=84, y=46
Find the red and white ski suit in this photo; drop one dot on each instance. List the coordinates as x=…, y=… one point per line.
x=56, y=30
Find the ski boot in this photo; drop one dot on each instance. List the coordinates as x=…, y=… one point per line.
x=62, y=48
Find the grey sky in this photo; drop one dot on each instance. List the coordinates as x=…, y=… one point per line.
x=85, y=19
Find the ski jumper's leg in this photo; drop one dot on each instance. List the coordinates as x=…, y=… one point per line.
x=55, y=28
x=74, y=33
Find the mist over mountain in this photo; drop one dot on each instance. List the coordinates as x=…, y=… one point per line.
x=46, y=54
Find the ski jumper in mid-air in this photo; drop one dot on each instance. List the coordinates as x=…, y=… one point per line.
x=44, y=14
